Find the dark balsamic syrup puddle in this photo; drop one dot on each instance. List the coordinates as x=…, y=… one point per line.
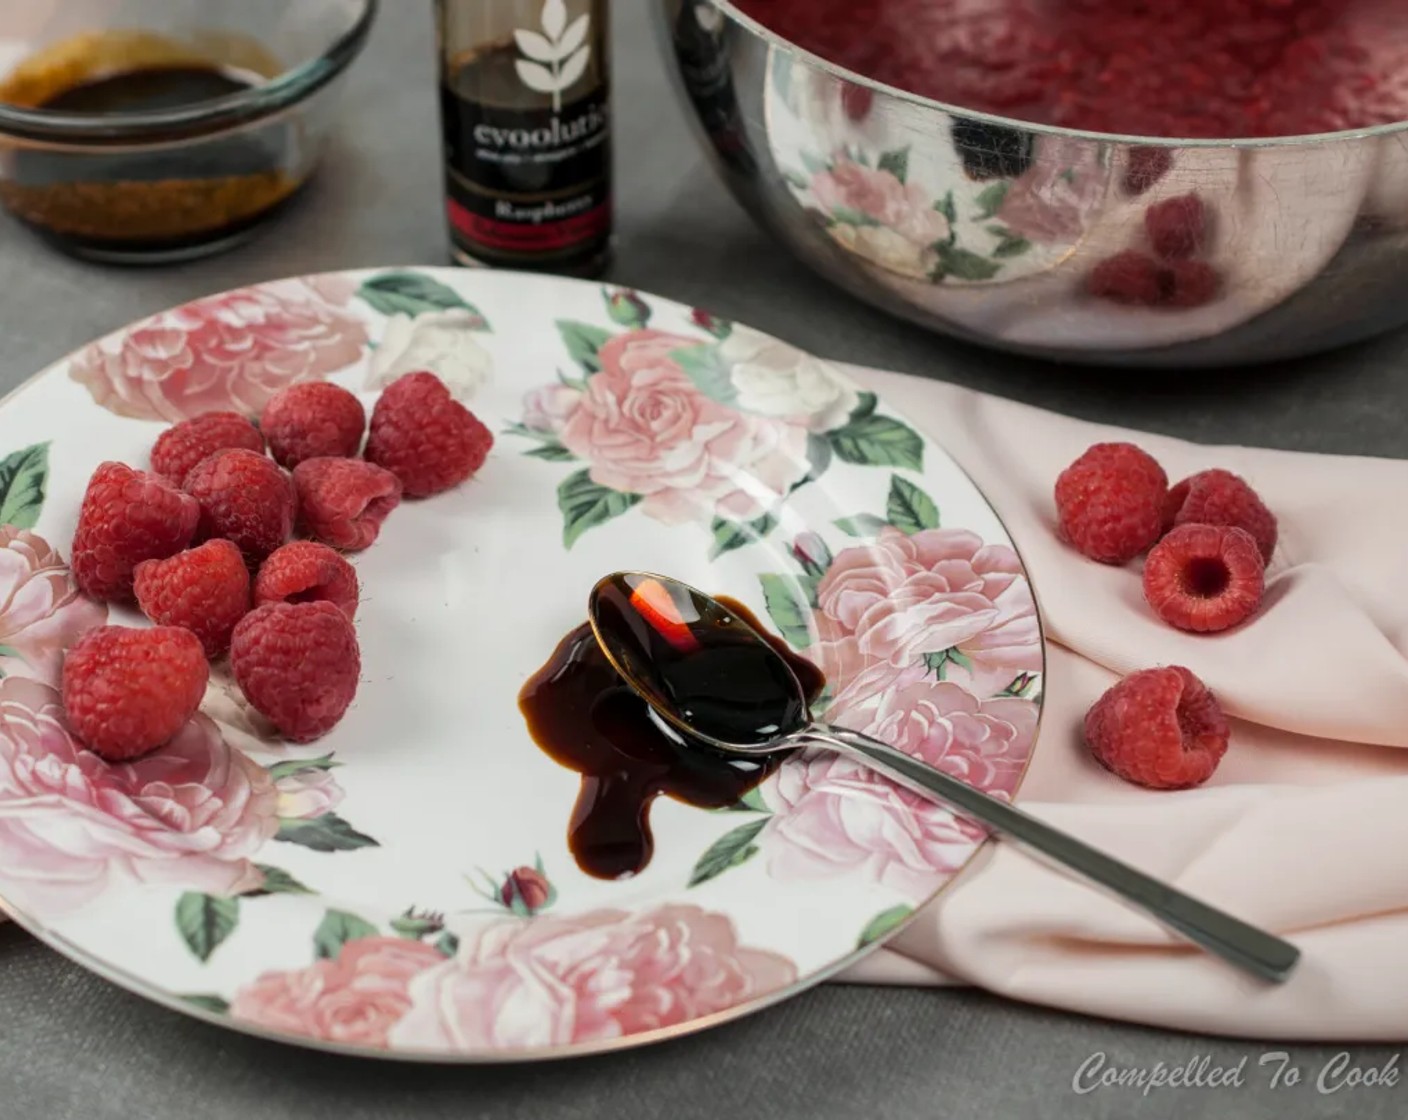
x=585, y=717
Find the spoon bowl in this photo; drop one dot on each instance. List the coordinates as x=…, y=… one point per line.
x=711, y=676
x=699, y=665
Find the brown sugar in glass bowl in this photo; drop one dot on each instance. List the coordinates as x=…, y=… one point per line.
x=161, y=142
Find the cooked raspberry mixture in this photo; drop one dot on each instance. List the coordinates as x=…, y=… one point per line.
x=1172, y=68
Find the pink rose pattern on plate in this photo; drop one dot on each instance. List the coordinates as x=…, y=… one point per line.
x=718, y=430
x=881, y=609
x=930, y=641
x=588, y=977
x=355, y=999
x=42, y=612
x=193, y=814
x=512, y=983
x=834, y=816
x=647, y=430
x=231, y=351
x=929, y=634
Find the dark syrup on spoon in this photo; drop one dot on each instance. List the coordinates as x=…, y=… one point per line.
x=585, y=717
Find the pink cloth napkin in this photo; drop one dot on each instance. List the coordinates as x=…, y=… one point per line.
x=1304, y=827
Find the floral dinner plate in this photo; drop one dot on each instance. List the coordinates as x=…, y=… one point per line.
x=404, y=887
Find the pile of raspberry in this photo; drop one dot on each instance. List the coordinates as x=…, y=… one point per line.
x=232, y=544
x=1208, y=539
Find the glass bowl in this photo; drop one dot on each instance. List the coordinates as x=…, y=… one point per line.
x=237, y=101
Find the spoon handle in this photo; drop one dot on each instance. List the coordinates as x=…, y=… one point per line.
x=1233, y=940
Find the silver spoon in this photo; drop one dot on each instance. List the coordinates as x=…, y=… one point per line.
x=713, y=677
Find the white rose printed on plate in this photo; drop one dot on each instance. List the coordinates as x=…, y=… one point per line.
x=442, y=342
x=405, y=885
x=775, y=379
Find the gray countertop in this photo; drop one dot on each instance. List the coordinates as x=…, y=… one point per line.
x=73, y=1046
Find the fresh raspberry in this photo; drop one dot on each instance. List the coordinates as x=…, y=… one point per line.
x=1130, y=277
x=1110, y=502
x=425, y=437
x=245, y=498
x=127, y=516
x=342, y=502
x=1219, y=497
x=127, y=691
x=305, y=572
x=1190, y=284
x=298, y=664
x=204, y=589
x=1177, y=227
x=1146, y=167
x=183, y=445
x=312, y=418
x=1177, y=495
x=1158, y=728
x=1204, y=577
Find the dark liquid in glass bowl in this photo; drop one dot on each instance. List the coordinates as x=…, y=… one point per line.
x=1206, y=69
x=151, y=201
x=157, y=87
x=584, y=716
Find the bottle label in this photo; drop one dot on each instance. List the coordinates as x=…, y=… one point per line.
x=528, y=179
x=531, y=179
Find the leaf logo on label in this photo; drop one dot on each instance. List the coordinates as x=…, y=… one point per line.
x=553, y=60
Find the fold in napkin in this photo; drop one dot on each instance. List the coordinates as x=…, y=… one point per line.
x=1304, y=827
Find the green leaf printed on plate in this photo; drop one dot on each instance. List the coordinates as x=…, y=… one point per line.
x=909, y=509
x=883, y=924
x=730, y=850
x=938, y=663
x=879, y=441
x=750, y=802
x=585, y=505
x=219, y=1005
x=552, y=451
x=277, y=881
x=23, y=475
x=790, y=614
x=415, y=293
x=729, y=535
x=282, y=770
x=583, y=341
x=336, y=929
x=862, y=525
x=705, y=366
x=327, y=833
x=204, y=921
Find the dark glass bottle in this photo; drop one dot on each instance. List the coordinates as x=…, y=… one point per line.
x=525, y=109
